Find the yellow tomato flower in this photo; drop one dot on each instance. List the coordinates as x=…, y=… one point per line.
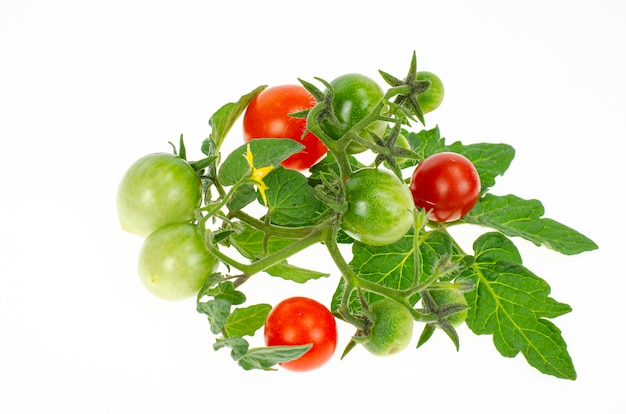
x=257, y=174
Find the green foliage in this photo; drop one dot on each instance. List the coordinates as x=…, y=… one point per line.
x=266, y=151
x=222, y=121
x=291, y=201
x=245, y=321
x=512, y=304
x=514, y=216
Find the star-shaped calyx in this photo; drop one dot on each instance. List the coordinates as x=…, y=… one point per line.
x=411, y=87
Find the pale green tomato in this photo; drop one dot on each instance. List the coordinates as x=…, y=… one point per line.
x=174, y=262
x=157, y=189
x=393, y=328
x=355, y=97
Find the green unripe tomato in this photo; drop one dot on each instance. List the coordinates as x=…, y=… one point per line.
x=355, y=97
x=393, y=328
x=444, y=297
x=430, y=99
x=380, y=207
x=157, y=189
x=174, y=262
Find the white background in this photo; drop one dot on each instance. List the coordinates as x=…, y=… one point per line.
x=88, y=87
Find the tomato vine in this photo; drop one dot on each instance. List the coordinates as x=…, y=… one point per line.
x=398, y=253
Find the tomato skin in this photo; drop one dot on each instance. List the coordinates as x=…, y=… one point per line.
x=174, y=262
x=393, y=328
x=267, y=116
x=300, y=321
x=430, y=99
x=446, y=184
x=380, y=207
x=157, y=189
x=355, y=97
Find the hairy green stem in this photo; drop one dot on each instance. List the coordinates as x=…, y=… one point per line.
x=316, y=235
x=354, y=281
x=272, y=229
x=213, y=209
x=336, y=147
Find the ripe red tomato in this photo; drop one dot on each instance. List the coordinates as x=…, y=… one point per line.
x=300, y=321
x=446, y=184
x=267, y=116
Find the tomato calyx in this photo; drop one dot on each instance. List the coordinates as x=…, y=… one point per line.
x=411, y=87
x=448, y=307
x=396, y=151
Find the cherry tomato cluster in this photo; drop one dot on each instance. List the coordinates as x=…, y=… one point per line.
x=160, y=194
x=331, y=164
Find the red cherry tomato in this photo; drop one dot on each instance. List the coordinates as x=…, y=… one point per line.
x=268, y=116
x=446, y=184
x=300, y=321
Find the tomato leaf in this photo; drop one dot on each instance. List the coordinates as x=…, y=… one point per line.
x=217, y=310
x=265, y=358
x=512, y=304
x=237, y=344
x=244, y=195
x=294, y=273
x=209, y=283
x=266, y=152
x=291, y=201
x=226, y=290
x=224, y=118
x=252, y=244
x=490, y=160
x=515, y=216
x=424, y=143
x=246, y=321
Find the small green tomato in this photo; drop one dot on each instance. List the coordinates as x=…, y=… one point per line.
x=393, y=328
x=174, y=262
x=380, y=207
x=433, y=96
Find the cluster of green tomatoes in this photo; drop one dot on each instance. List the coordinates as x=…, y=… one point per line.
x=176, y=205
